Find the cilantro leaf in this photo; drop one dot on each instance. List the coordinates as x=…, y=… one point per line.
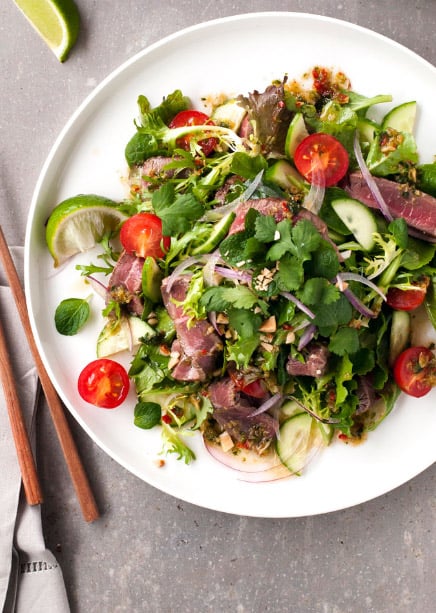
x=330, y=315
x=324, y=262
x=283, y=243
x=306, y=238
x=266, y=228
x=290, y=275
x=221, y=297
x=246, y=323
x=177, y=211
x=318, y=291
x=344, y=341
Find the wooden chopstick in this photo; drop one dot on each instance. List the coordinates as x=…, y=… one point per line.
x=72, y=458
x=29, y=475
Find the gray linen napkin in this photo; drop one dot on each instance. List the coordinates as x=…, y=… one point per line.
x=31, y=580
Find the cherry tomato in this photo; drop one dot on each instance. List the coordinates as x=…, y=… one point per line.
x=415, y=371
x=321, y=159
x=141, y=235
x=104, y=383
x=193, y=118
x=407, y=299
x=254, y=388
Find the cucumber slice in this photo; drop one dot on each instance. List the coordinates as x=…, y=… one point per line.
x=401, y=118
x=293, y=445
x=297, y=131
x=218, y=233
x=283, y=174
x=115, y=338
x=290, y=409
x=230, y=115
x=368, y=129
x=151, y=280
x=326, y=431
x=358, y=218
x=400, y=334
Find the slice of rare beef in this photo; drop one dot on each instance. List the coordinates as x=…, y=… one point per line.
x=125, y=282
x=417, y=208
x=198, y=347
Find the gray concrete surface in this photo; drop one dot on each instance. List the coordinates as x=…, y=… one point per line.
x=151, y=552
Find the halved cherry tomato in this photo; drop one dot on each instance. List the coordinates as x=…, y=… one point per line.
x=407, y=299
x=193, y=118
x=141, y=235
x=415, y=371
x=104, y=383
x=251, y=387
x=321, y=159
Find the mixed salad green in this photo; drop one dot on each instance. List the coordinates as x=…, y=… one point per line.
x=276, y=277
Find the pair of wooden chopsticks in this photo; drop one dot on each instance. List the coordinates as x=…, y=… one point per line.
x=25, y=457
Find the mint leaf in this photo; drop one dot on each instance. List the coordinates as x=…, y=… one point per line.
x=398, y=229
x=146, y=415
x=71, y=315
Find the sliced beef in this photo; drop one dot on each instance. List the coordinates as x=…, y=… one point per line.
x=125, y=282
x=417, y=208
x=154, y=168
x=223, y=191
x=277, y=207
x=197, y=346
x=233, y=413
x=315, y=362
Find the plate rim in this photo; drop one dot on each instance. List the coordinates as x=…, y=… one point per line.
x=137, y=57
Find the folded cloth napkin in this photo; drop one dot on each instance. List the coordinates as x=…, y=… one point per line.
x=31, y=580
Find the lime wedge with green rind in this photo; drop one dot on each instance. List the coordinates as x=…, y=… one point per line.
x=78, y=223
x=56, y=21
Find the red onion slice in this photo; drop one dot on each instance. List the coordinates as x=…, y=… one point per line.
x=299, y=304
x=351, y=276
x=252, y=468
x=271, y=403
x=373, y=187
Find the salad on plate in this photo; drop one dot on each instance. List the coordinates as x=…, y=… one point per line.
x=266, y=271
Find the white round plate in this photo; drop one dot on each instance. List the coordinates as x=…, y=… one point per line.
x=233, y=55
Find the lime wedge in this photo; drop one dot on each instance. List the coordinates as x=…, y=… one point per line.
x=78, y=223
x=56, y=21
